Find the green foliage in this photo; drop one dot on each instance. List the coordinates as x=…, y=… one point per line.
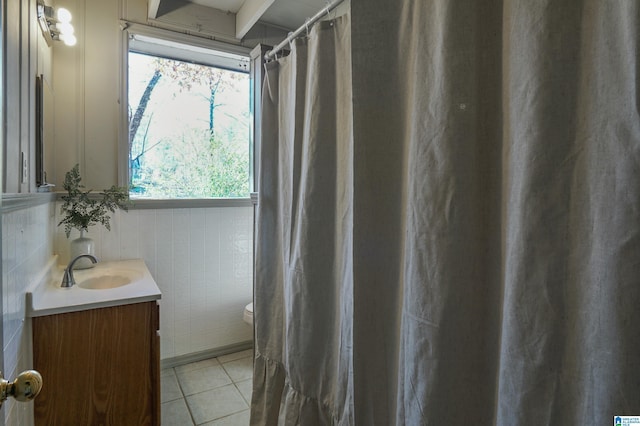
x=229, y=170
x=82, y=209
x=198, y=165
x=194, y=158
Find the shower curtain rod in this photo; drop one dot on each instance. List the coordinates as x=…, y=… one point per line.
x=309, y=22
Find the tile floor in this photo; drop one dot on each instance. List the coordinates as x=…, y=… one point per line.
x=213, y=392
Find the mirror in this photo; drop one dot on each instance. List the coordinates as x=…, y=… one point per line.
x=44, y=133
x=39, y=132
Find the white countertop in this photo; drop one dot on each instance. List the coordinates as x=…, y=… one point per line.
x=49, y=298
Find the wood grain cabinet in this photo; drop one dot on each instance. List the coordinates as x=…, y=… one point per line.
x=99, y=366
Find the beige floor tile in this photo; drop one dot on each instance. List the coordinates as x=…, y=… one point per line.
x=167, y=372
x=240, y=369
x=202, y=379
x=239, y=419
x=216, y=404
x=236, y=355
x=245, y=388
x=169, y=388
x=197, y=365
x=175, y=413
x=212, y=397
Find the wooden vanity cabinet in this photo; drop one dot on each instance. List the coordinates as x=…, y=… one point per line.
x=99, y=366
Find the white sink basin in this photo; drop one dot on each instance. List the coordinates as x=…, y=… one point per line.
x=110, y=283
x=107, y=279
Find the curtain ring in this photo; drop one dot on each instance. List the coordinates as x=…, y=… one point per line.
x=290, y=40
x=328, y=12
x=306, y=25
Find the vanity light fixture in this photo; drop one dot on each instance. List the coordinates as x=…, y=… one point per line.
x=55, y=26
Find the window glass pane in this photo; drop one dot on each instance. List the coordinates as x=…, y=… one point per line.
x=188, y=129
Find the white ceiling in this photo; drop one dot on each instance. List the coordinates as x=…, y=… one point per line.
x=289, y=14
x=229, y=5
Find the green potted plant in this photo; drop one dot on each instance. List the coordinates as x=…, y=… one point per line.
x=82, y=209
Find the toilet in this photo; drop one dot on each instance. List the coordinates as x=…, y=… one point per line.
x=248, y=314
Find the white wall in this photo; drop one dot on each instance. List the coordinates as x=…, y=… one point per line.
x=87, y=79
x=202, y=260
x=27, y=232
x=27, y=245
x=26, y=55
x=200, y=257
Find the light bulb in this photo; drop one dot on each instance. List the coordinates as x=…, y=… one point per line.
x=65, y=28
x=64, y=15
x=68, y=39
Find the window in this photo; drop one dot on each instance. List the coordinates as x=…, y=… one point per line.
x=189, y=121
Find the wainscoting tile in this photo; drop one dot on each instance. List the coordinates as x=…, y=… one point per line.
x=147, y=238
x=201, y=259
x=27, y=243
x=129, y=225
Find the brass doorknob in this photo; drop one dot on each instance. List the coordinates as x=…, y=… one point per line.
x=24, y=388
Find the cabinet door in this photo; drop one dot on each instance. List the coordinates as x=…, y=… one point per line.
x=101, y=366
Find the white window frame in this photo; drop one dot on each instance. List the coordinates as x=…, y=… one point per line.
x=143, y=33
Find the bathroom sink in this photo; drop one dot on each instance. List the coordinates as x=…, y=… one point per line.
x=107, y=279
x=108, y=283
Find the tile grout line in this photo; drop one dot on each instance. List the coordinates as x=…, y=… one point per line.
x=223, y=417
x=233, y=381
x=184, y=397
x=241, y=394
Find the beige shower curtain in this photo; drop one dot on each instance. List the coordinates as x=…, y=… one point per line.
x=449, y=217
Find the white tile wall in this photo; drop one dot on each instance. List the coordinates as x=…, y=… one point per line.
x=201, y=259
x=27, y=246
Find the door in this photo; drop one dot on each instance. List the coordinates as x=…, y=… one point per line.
x=2, y=115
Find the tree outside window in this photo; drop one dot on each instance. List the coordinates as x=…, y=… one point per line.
x=188, y=129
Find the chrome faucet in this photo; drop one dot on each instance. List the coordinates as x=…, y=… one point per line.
x=67, y=277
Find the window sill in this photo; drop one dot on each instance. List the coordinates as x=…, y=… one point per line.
x=183, y=203
x=12, y=202
x=144, y=204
